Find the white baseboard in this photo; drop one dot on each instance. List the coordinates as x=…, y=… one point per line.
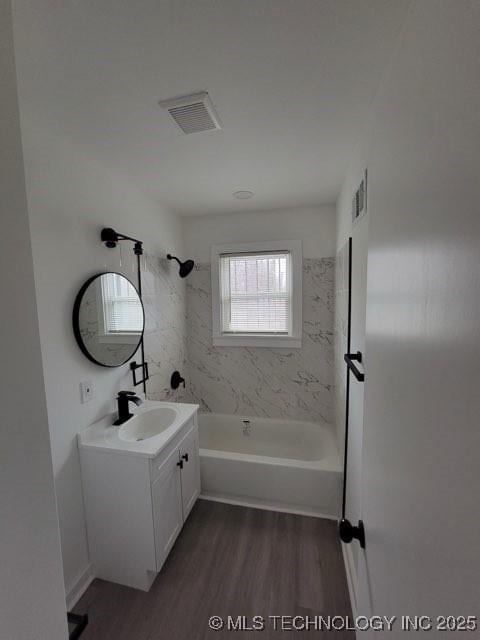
x=254, y=504
x=78, y=589
x=351, y=573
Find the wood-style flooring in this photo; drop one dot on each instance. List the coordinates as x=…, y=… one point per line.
x=229, y=561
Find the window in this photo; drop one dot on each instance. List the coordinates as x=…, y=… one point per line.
x=121, y=313
x=257, y=294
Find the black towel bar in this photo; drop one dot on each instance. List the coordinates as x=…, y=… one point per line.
x=349, y=359
x=347, y=531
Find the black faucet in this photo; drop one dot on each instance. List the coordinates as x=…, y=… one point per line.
x=123, y=398
x=176, y=380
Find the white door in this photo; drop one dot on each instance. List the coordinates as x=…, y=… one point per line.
x=357, y=392
x=190, y=471
x=167, y=507
x=421, y=446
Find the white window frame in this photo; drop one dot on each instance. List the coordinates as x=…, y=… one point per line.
x=291, y=340
x=106, y=337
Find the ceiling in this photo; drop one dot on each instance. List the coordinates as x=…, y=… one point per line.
x=291, y=80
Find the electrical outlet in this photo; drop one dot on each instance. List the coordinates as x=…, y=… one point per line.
x=86, y=391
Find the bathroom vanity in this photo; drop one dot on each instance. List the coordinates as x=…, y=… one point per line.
x=140, y=482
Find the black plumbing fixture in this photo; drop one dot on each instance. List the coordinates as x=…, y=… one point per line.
x=123, y=398
x=176, y=380
x=110, y=237
x=185, y=267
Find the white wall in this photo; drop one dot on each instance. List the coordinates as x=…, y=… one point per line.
x=421, y=474
x=262, y=381
x=315, y=227
x=71, y=197
x=32, y=599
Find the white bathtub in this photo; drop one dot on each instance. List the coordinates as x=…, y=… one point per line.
x=284, y=465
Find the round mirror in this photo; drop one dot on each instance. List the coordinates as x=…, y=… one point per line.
x=108, y=319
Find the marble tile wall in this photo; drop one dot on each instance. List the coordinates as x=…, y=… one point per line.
x=164, y=298
x=269, y=382
x=341, y=336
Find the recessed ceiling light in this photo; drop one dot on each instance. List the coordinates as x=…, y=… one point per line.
x=243, y=195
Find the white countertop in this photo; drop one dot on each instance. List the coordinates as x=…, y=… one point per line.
x=103, y=435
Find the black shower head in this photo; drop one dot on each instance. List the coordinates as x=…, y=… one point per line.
x=185, y=267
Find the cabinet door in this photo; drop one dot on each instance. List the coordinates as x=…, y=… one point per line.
x=167, y=507
x=190, y=471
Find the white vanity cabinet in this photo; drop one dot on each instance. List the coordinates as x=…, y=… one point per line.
x=167, y=507
x=190, y=470
x=136, y=504
x=175, y=487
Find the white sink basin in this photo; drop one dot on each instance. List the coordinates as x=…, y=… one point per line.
x=152, y=427
x=147, y=425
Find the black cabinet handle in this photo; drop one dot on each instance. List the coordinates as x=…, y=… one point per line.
x=185, y=457
x=349, y=359
x=180, y=464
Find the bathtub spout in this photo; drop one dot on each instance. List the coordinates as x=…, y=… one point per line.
x=247, y=428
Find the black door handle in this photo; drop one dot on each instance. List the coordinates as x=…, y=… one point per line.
x=180, y=464
x=349, y=359
x=185, y=457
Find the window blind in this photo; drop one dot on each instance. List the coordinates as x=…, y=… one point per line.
x=122, y=310
x=255, y=293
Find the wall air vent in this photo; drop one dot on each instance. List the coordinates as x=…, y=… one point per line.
x=192, y=114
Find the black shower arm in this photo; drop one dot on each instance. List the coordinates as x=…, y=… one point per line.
x=170, y=257
x=120, y=236
x=138, y=249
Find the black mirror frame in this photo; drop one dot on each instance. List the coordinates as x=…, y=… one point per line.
x=76, y=325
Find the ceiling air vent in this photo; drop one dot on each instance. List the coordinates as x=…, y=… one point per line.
x=192, y=114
